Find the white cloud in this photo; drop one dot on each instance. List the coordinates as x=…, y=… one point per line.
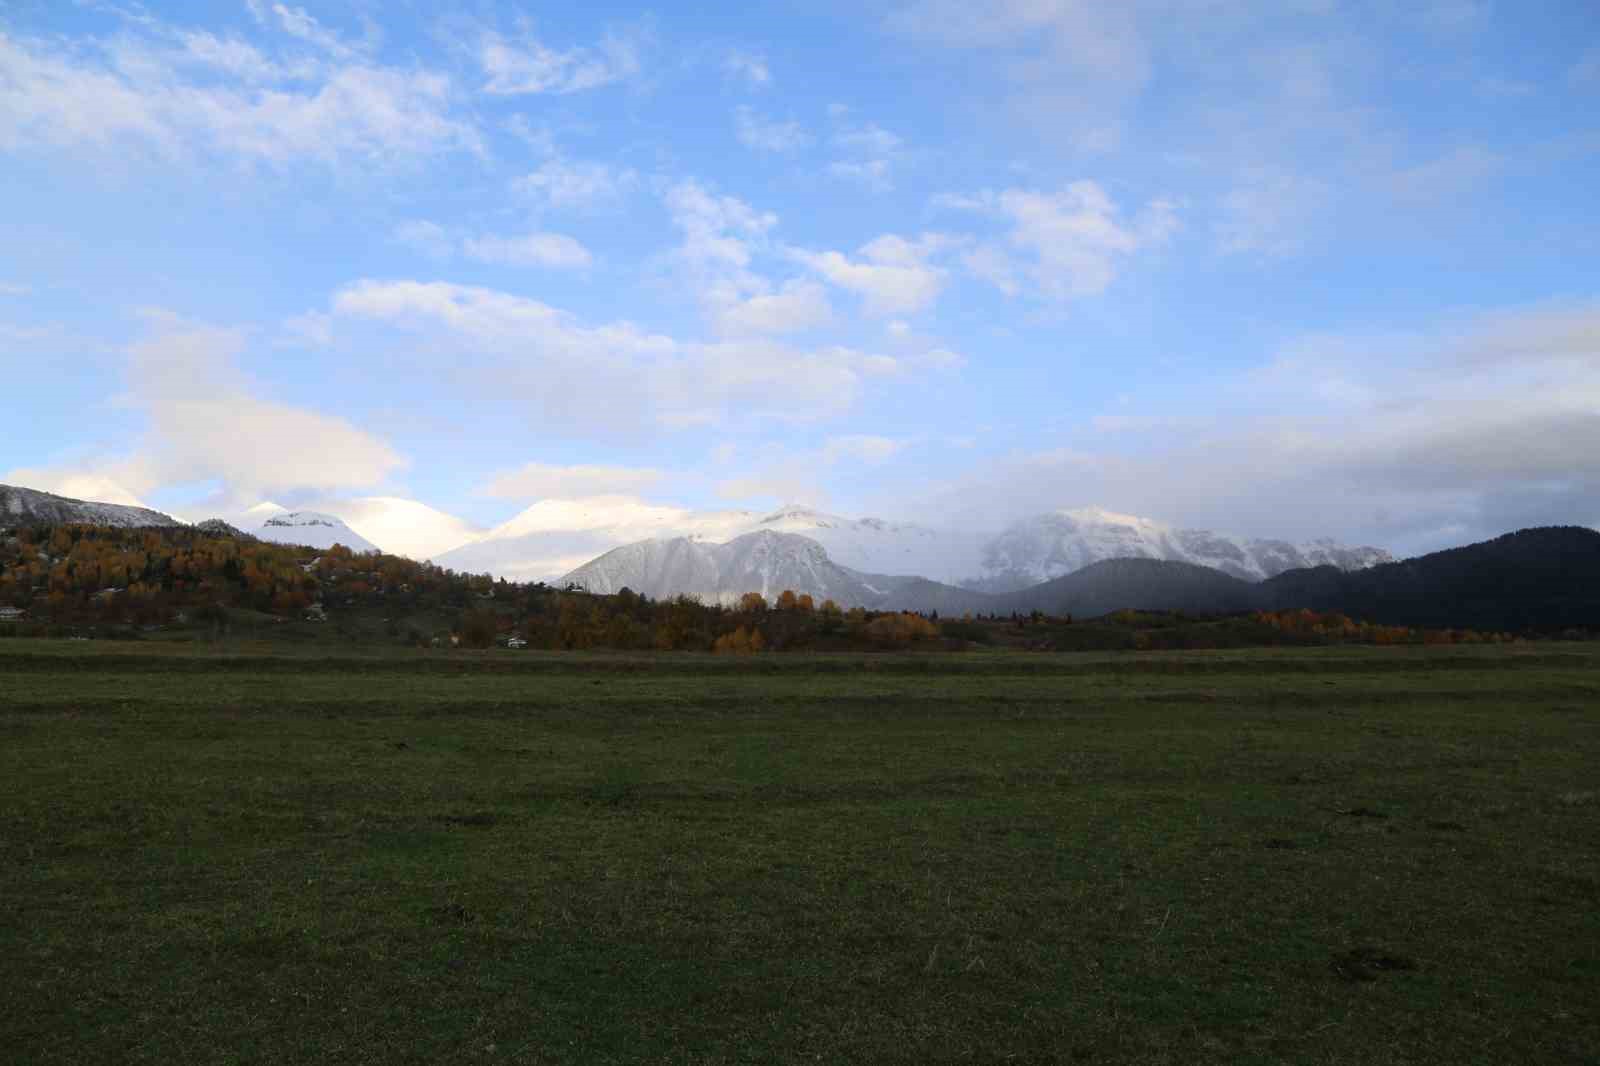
x=748, y=67
x=525, y=65
x=205, y=422
x=1069, y=67
x=873, y=152
x=1070, y=243
x=554, y=250
x=107, y=97
x=430, y=238
x=539, y=480
x=890, y=273
x=872, y=173
x=613, y=380
x=862, y=448
x=768, y=135
x=716, y=229
x=296, y=22
x=82, y=483
x=538, y=249
x=313, y=329
x=721, y=236
x=1270, y=212
x=580, y=184
x=1480, y=425
x=796, y=306
x=12, y=288
x=229, y=55
x=869, y=139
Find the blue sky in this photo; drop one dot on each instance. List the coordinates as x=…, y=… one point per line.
x=1296, y=269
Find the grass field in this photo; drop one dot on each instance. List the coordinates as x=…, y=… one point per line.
x=1333, y=856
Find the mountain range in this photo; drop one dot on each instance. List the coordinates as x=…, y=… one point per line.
x=872, y=561
x=1544, y=579
x=609, y=542
x=554, y=538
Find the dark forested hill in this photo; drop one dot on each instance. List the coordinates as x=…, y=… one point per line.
x=1142, y=584
x=1542, y=579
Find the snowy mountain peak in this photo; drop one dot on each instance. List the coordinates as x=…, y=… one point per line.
x=303, y=518
x=1101, y=516
x=764, y=561
x=313, y=529
x=1051, y=545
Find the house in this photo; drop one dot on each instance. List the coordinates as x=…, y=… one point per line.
x=11, y=614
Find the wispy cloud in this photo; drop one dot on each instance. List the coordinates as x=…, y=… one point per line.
x=1065, y=244
x=522, y=64
x=106, y=95
x=748, y=67
x=615, y=380
x=575, y=184
x=768, y=135
x=533, y=481
x=554, y=250
x=891, y=274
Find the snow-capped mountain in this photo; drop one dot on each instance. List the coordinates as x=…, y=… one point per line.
x=393, y=524
x=764, y=561
x=19, y=505
x=883, y=547
x=401, y=526
x=313, y=529
x=555, y=536
x=1052, y=545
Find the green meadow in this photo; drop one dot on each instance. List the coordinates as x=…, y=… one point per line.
x=1334, y=855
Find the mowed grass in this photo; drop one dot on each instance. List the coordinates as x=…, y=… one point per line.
x=1332, y=856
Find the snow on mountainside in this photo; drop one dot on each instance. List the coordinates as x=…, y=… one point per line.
x=765, y=561
x=555, y=536
x=18, y=504
x=313, y=530
x=402, y=526
x=1052, y=545
x=883, y=547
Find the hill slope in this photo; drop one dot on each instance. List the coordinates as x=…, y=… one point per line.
x=1546, y=578
x=1142, y=584
x=19, y=506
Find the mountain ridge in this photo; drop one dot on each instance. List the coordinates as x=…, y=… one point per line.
x=17, y=501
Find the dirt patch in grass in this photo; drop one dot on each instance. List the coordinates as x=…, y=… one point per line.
x=1368, y=963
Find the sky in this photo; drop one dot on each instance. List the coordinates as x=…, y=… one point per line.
x=1295, y=268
